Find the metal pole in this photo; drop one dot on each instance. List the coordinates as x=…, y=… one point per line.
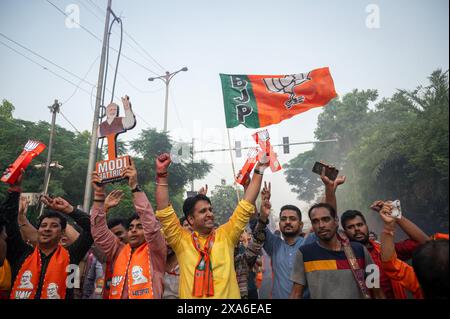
x=167, y=80
x=54, y=109
x=232, y=166
x=192, y=164
x=47, y=181
x=93, y=146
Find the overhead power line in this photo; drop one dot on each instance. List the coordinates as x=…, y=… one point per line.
x=44, y=58
x=44, y=67
x=147, y=55
x=98, y=39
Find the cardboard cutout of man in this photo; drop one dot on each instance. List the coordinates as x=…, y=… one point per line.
x=114, y=124
x=110, y=170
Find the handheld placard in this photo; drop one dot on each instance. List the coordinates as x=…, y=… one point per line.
x=111, y=170
x=250, y=163
x=31, y=150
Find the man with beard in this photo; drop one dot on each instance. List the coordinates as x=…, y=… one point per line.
x=205, y=256
x=283, y=252
x=138, y=266
x=330, y=267
x=45, y=266
x=357, y=230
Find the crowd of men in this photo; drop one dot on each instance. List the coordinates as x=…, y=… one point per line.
x=156, y=255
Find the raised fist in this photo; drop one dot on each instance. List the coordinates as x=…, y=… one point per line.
x=162, y=163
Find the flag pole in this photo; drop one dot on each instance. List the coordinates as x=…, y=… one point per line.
x=232, y=165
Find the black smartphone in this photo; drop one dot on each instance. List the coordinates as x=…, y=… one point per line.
x=330, y=172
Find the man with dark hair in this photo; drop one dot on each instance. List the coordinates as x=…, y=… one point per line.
x=38, y=271
x=205, y=256
x=95, y=273
x=118, y=227
x=283, y=252
x=330, y=267
x=428, y=277
x=355, y=226
x=430, y=263
x=139, y=265
x=5, y=268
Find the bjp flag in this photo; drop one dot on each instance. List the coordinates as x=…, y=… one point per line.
x=261, y=100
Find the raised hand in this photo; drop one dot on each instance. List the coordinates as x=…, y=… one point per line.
x=59, y=204
x=19, y=179
x=385, y=214
x=23, y=205
x=126, y=102
x=263, y=161
x=377, y=205
x=266, y=192
x=131, y=173
x=113, y=199
x=162, y=163
x=329, y=183
x=96, y=183
x=265, y=209
x=203, y=190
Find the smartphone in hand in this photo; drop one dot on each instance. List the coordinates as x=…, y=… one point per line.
x=330, y=172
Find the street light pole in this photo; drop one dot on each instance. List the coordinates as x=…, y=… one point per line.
x=166, y=79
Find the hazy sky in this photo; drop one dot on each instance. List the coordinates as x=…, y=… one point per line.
x=212, y=37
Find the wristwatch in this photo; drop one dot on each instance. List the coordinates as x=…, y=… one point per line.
x=137, y=189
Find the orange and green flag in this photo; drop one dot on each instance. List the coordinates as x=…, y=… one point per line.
x=261, y=100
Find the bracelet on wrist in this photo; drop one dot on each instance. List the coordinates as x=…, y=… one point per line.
x=257, y=171
x=159, y=184
x=163, y=174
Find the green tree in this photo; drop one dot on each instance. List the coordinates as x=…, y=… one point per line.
x=6, y=110
x=224, y=201
x=147, y=147
x=397, y=149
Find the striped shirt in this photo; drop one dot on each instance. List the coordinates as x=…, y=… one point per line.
x=327, y=273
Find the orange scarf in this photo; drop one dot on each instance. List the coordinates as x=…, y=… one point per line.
x=139, y=277
x=203, y=276
x=108, y=277
x=54, y=286
x=398, y=289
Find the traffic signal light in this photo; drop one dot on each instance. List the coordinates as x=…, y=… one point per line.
x=237, y=146
x=286, y=144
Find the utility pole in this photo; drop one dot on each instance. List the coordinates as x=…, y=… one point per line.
x=166, y=79
x=93, y=146
x=192, y=166
x=54, y=109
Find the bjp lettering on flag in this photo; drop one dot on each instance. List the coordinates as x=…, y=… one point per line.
x=261, y=100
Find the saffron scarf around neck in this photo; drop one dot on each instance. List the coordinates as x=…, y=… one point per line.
x=203, y=275
x=54, y=284
x=135, y=267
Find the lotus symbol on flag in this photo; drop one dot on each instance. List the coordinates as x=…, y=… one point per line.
x=286, y=85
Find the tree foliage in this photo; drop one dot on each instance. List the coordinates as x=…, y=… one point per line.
x=395, y=149
x=71, y=151
x=224, y=201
